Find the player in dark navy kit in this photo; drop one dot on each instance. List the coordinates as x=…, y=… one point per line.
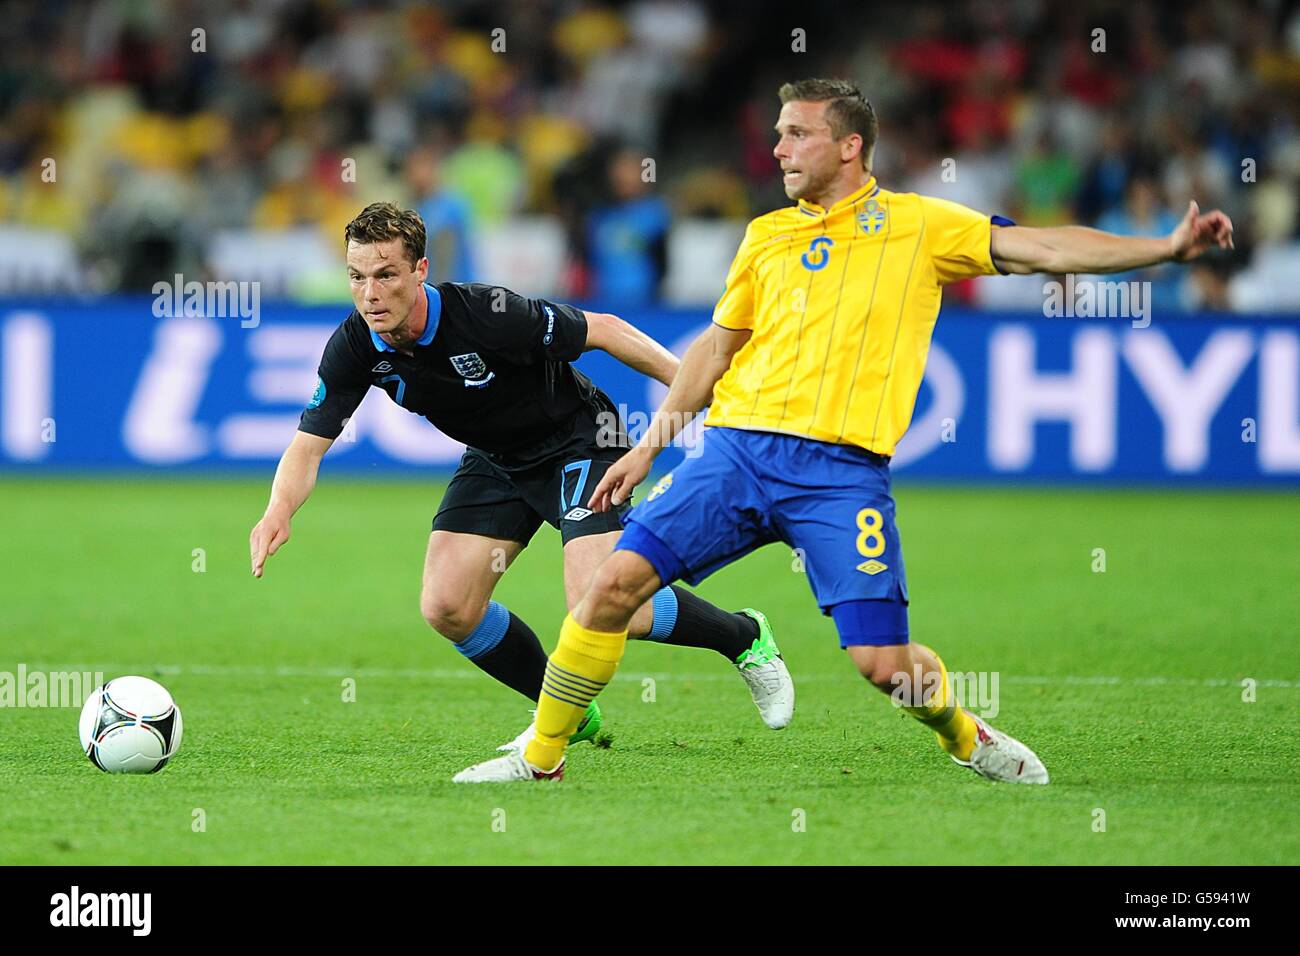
x=492, y=369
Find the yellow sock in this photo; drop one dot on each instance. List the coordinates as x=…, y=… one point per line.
x=579, y=668
x=954, y=728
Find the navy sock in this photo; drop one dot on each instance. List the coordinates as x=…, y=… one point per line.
x=506, y=648
x=683, y=618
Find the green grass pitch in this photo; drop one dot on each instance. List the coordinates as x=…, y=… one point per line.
x=1128, y=683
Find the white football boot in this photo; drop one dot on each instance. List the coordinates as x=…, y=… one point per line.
x=1001, y=757
x=587, y=730
x=768, y=678
x=520, y=743
x=507, y=769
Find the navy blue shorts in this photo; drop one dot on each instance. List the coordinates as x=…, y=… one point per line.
x=830, y=503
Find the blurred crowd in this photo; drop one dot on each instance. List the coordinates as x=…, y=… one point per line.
x=140, y=131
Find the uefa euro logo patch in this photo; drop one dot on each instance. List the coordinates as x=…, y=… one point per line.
x=872, y=218
x=472, y=369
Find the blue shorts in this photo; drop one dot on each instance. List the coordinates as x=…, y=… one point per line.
x=830, y=503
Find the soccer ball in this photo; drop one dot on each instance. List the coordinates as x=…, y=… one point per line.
x=130, y=725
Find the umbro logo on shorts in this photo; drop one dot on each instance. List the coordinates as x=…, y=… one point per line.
x=872, y=567
x=577, y=514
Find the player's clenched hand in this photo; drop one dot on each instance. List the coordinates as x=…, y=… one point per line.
x=1197, y=232
x=615, y=487
x=266, y=538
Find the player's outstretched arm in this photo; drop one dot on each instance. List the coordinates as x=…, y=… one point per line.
x=1024, y=250
x=705, y=362
x=630, y=346
x=294, y=480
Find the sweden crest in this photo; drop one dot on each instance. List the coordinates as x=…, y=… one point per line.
x=872, y=218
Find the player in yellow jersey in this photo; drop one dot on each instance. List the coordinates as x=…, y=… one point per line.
x=812, y=367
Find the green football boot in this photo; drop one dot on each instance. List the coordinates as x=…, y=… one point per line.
x=766, y=674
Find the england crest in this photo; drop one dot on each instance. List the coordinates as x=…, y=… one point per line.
x=472, y=369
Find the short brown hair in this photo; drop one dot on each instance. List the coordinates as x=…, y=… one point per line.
x=848, y=111
x=382, y=221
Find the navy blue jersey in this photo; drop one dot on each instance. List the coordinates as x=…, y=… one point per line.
x=491, y=370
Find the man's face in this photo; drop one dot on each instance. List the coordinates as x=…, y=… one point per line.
x=810, y=157
x=384, y=284
x=625, y=176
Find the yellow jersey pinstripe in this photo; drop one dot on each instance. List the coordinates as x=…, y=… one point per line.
x=842, y=303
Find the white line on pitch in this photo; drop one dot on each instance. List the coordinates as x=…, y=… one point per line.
x=255, y=670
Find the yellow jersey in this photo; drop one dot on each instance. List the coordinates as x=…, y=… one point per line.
x=842, y=303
